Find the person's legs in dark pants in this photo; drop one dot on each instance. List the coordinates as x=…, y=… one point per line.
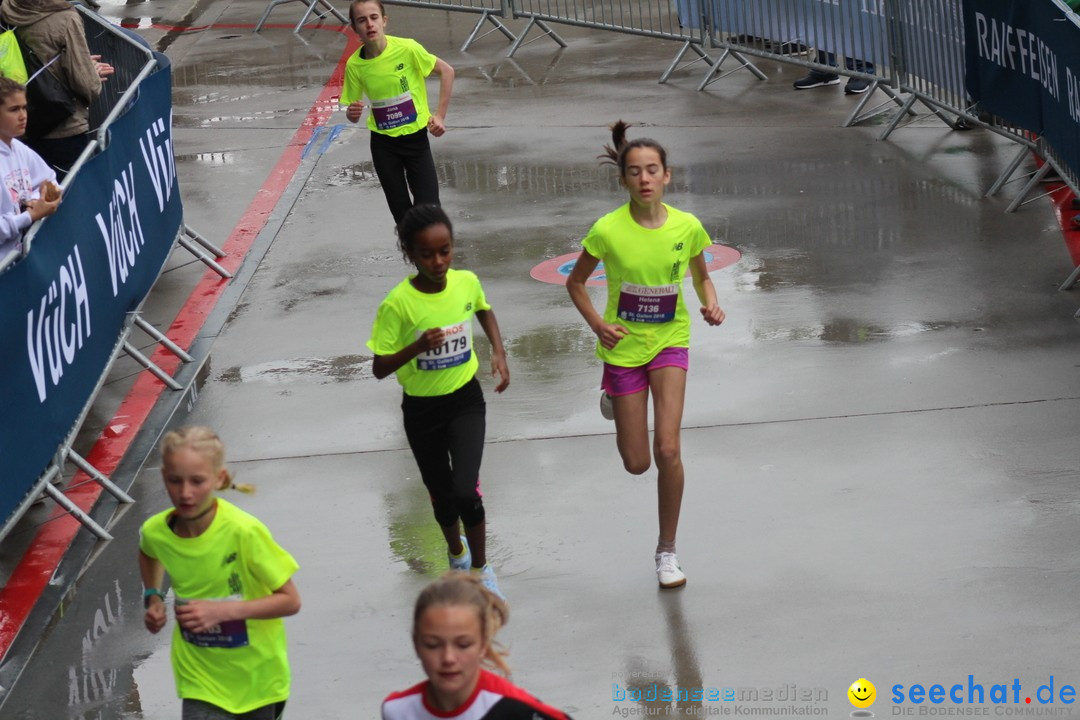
x=420, y=172
x=465, y=435
x=390, y=167
x=406, y=171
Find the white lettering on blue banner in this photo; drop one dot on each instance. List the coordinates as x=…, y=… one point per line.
x=51, y=339
x=157, y=152
x=1018, y=49
x=123, y=241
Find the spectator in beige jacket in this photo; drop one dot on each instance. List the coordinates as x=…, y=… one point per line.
x=51, y=28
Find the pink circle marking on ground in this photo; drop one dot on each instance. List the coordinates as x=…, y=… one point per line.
x=556, y=270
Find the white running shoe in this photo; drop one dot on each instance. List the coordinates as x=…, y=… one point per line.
x=607, y=408
x=465, y=561
x=487, y=576
x=668, y=571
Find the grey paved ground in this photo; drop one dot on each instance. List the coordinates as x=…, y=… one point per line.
x=881, y=440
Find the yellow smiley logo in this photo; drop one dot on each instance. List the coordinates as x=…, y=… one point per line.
x=862, y=693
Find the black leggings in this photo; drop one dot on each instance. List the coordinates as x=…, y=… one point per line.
x=404, y=163
x=200, y=710
x=446, y=434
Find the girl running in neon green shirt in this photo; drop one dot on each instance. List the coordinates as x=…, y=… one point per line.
x=390, y=71
x=423, y=334
x=232, y=585
x=643, y=335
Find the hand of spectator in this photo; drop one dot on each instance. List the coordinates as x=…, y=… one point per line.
x=49, y=190
x=104, y=69
x=41, y=208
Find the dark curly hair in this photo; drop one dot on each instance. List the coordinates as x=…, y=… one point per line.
x=416, y=219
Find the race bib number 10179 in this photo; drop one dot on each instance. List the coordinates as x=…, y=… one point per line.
x=455, y=350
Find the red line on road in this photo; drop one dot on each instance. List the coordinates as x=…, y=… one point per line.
x=31, y=576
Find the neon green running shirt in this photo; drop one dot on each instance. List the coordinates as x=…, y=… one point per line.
x=406, y=313
x=243, y=665
x=645, y=269
x=394, y=85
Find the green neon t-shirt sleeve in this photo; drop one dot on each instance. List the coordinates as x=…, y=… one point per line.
x=701, y=238
x=480, y=300
x=594, y=241
x=267, y=561
x=353, y=89
x=425, y=61
x=386, y=331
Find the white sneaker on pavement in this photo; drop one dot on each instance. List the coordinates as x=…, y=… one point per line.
x=668, y=571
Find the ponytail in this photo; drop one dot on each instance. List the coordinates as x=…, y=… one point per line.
x=615, y=154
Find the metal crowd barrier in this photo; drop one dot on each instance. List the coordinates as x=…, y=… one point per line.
x=147, y=144
x=846, y=37
x=490, y=11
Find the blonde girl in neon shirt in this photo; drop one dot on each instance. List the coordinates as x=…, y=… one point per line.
x=423, y=334
x=232, y=585
x=643, y=334
x=390, y=72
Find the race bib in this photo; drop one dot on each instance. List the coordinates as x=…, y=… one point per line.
x=394, y=112
x=455, y=350
x=642, y=303
x=231, y=634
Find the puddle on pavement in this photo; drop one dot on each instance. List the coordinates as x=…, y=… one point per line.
x=414, y=536
x=324, y=370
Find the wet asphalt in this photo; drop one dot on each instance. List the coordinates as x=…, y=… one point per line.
x=880, y=441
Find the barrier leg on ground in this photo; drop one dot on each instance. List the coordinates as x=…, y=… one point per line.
x=520, y=41
x=702, y=56
x=1033, y=181
x=193, y=248
x=160, y=337
x=1012, y=168
x=1071, y=281
x=857, y=115
x=147, y=363
x=88, y=522
x=487, y=16
x=714, y=73
x=199, y=238
x=97, y=476
x=327, y=10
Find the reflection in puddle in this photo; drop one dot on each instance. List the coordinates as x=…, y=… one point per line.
x=340, y=369
x=210, y=158
x=849, y=330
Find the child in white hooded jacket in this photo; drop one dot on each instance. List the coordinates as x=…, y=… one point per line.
x=29, y=190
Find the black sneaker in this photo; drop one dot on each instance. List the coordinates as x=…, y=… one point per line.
x=856, y=86
x=816, y=78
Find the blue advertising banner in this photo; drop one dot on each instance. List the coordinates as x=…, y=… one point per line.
x=65, y=304
x=852, y=29
x=1023, y=65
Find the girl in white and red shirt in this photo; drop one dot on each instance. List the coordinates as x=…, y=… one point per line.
x=454, y=626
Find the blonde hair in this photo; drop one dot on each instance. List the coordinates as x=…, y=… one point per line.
x=206, y=442
x=457, y=588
